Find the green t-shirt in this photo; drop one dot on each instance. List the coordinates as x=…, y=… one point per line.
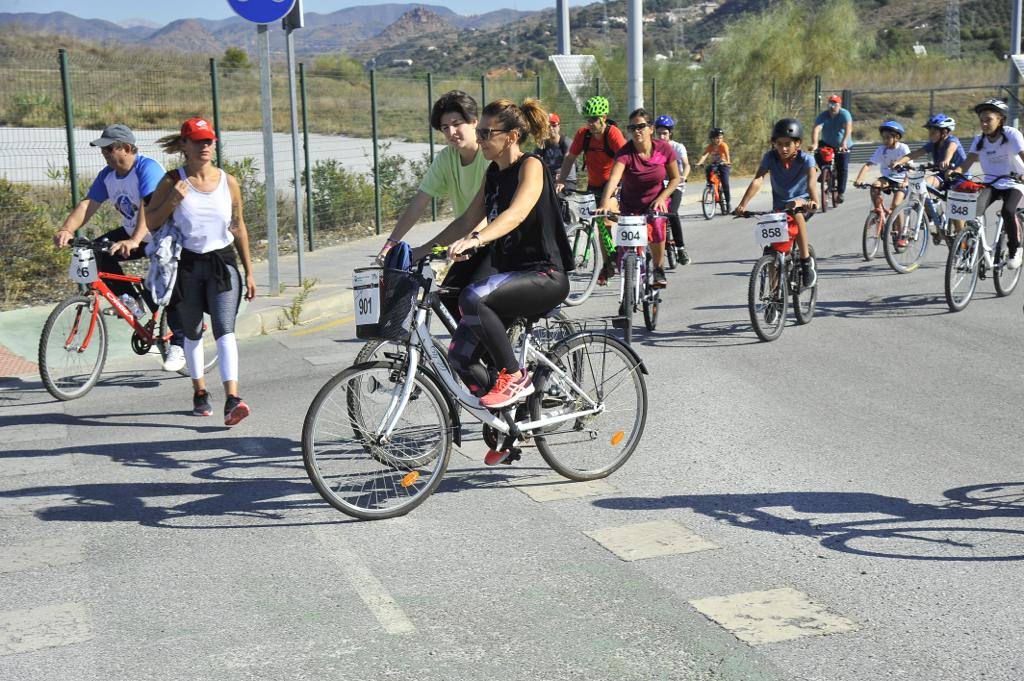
x=448, y=176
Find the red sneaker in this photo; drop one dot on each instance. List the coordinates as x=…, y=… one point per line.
x=495, y=457
x=508, y=389
x=234, y=410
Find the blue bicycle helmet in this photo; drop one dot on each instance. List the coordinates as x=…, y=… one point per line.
x=892, y=126
x=941, y=121
x=664, y=122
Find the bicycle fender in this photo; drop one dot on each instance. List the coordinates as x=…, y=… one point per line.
x=627, y=346
x=453, y=407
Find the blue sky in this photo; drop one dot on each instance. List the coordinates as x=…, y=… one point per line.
x=163, y=12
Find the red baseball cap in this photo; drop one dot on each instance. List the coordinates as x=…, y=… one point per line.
x=553, y=118
x=197, y=129
x=835, y=98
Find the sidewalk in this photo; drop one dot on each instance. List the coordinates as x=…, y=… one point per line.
x=331, y=296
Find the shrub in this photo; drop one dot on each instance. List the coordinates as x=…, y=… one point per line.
x=29, y=262
x=235, y=58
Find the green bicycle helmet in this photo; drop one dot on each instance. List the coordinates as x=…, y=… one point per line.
x=596, y=106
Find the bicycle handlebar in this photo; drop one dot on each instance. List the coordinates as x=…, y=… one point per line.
x=1016, y=177
x=801, y=210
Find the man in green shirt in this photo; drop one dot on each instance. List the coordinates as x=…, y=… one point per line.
x=458, y=173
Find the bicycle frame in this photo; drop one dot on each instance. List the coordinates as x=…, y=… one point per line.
x=99, y=288
x=421, y=339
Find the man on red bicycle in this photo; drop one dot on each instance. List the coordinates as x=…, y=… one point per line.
x=128, y=181
x=642, y=166
x=794, y=176
x=834, y=128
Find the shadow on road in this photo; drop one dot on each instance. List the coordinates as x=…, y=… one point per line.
x=963, y=528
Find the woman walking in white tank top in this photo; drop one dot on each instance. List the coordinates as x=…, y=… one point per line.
x=206, y=205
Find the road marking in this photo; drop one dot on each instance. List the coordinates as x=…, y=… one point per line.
x=369, y=588
x=761, y=617
x=39, y=554
x=649, y=540
x=341, y=359
x=323, y=327
x=556, y=488
x=23, y=631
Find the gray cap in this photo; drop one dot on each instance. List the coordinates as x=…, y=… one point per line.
x=118, y=132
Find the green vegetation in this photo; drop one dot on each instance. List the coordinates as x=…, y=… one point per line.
x=235, y=58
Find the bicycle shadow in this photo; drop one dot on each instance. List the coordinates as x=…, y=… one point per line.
x=912, y=530
x=713, y=334
x=106, y=420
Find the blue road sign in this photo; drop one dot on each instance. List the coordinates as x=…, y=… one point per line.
x=261, y=11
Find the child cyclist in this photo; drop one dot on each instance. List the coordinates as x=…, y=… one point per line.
x=1000, y=150
x=946, y=152
x=885, y=157
x=716, y=153
x=794, y=176
x=663, y=127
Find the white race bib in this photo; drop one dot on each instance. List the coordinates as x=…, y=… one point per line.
x=83, y=266
x=772, y=228
x=631, y=231
x=586, y=204
x=916, y=182
x=961, y=205
x=366, y=291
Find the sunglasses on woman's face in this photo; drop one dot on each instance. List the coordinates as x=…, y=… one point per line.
x=485, y=133
x=633, y=127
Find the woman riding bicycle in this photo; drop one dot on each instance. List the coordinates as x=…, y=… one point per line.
x=642, y=165
x=530, y=254
x=1000, y=149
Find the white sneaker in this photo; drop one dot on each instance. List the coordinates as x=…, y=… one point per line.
x=1014, y=262
x=175, y=358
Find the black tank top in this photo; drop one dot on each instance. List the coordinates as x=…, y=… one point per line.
x=534, y=244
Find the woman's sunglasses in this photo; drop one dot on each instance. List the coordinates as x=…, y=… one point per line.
x=485, y=133
x=633, y=127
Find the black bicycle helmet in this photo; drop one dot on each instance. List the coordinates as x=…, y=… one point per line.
x=997, y=105
x=788, y=127
x=715, y=132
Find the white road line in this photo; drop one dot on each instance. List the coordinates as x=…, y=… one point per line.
x=23, y=631
x=369, y=588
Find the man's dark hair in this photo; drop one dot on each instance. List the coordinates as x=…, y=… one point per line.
x=455, y=101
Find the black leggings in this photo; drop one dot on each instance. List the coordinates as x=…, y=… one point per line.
x=488, y=308
x=1011, y=199
x=673, y=217
x=462, y=274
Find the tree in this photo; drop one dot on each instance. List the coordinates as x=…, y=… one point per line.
x=235, y=58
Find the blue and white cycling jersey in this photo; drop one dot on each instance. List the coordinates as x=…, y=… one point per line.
x=127, y=191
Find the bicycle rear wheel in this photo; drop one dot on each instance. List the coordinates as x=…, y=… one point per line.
x=962, y=270
x=907, y=222
x=766, y=300
x=1004, y=279
x=871, y=239
x=359, y=473
x=804, y=299
x=670, y=254
x=583, y=279
x=70, y=360
x=594, y=446
x=708, y=203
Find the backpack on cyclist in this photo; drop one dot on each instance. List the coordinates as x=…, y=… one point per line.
x=609, y=124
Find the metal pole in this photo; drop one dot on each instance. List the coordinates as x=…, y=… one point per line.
x=289, y=43
x=714, y=101
x=597, y=86
x=773, y=90
x=817, y=93
x=376, y=152
x=1015, y=32
x=538, y=87
x=562, y=9
x=270, y=203
x=931, y=103
x=430, y=137
x=654, y=96
x=483, y=90
x=635, y=53
x=69, y=124
x=309, y=166
x=215, y=94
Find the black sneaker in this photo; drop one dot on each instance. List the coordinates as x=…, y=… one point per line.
x=659, y=278
x=201, y=404
x=682, y=256
x=839, y=199
x=808, y=273
x=234, y=410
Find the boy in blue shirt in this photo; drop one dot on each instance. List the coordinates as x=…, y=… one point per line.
x=946, y=151
x=794, y=177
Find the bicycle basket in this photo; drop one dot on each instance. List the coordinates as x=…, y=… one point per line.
x=826, y=155
x=398, y=290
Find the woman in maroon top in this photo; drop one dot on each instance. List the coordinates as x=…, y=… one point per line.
x=642, y=166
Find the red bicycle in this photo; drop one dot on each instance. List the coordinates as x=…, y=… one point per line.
x=712, y=198
x=826, y=159
x=73, y=346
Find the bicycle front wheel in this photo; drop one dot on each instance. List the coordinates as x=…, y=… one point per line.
x=804, y=299
x=708, y=203
x=962, y=270
x=905, y=238
x=1004, y=279
x=766, y=299
x=670, y=254
x=361, y=473
x=823, y=184
x=72, y=350
x=872, y=237
x=596, y=445
x=583, y=279
x=626, y=307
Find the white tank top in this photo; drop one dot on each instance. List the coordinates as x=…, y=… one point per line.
x=204, y=217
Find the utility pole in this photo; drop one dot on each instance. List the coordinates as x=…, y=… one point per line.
x=635, y=53
x=564, y=46
x=951, y=41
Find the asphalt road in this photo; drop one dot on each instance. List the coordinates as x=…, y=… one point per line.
x=868, y=464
